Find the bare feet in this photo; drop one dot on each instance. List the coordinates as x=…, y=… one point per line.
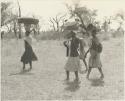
x=66, y=79
x=77, y=79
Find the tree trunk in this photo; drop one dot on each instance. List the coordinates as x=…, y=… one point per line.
x=15, y=30
x=9, y=30
x=57, y=27
x=82, y=22
x=2, y=33
x=20, y=31
x=19, y=24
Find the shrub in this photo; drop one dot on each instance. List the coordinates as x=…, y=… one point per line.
x=50, y=35
x=117, y=34
x=104, y=36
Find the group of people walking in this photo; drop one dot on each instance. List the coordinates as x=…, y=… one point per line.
x=75, y=51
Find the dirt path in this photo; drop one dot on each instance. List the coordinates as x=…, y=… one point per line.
x=46, y=80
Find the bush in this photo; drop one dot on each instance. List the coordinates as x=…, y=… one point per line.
x=104, y=36
x=9, y=35
x=117, y=34
x=50, y=35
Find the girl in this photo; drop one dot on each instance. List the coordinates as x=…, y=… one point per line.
x=94, y=60
x=73, y=62
x=28, y=55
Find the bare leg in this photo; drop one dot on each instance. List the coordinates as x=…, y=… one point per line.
x=76, y=74
x=89, y=70
x=100, y=70
x=23, y=65
x=67, y=74
x=30, y=63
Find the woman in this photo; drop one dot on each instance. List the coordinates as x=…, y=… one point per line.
x=73, y=62
x=28, y=55
x=94, y=59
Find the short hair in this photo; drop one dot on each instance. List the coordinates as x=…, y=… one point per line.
x=27, y=33
x=90, y=27
x=72, y=33
x=94, y=31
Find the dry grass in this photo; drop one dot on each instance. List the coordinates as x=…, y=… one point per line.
x=46, y=80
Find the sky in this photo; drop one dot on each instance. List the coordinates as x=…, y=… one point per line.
x=50, y=8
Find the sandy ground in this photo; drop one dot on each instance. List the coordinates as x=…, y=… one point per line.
x=46, y=79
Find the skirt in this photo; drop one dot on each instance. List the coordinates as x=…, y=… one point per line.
x=73, y=64
x=28, y=56
x=95, y=62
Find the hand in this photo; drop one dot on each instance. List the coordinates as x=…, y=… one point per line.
x=84, y=56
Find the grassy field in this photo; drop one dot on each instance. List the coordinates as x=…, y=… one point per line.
x=46, y=79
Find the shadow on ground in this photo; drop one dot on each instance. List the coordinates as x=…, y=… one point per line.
x=97, y=82
x=24, y=72
x=72, y=86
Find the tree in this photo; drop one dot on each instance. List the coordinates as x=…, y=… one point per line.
x=106, y=23
x=8, y=18
x=37, y=27
x=57, y=22
x=19, y=15
x=120, y=18
x=5, y=13
x=83, y=14
x=14, y=23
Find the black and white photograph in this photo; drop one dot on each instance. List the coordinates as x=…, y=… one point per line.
x=62, y=50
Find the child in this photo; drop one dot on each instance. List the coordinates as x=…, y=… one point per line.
x=73, y=62
x=28, y=55
x=94, y=60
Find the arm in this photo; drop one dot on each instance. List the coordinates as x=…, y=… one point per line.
x=81, y=45
x=64, y=43
x=86, y=53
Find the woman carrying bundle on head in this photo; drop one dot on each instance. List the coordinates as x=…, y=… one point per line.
x=28, y=55
x=95, y=51
x=73, y=62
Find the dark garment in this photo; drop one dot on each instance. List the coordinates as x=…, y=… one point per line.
x=96, y=45
x=28, y=55
x=74, y=47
